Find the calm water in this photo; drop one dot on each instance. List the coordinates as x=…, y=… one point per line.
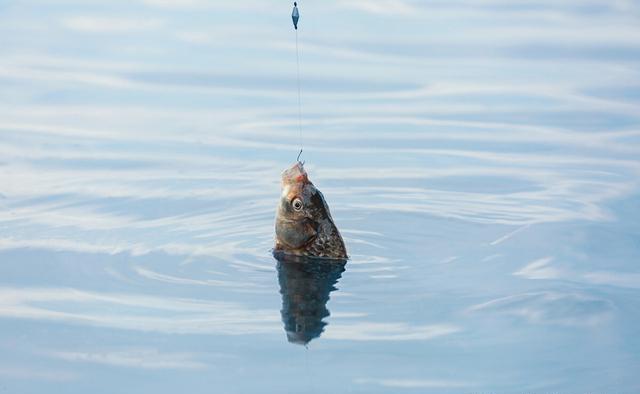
x=481, y=159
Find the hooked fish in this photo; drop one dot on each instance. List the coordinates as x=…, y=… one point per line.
x=304, y=226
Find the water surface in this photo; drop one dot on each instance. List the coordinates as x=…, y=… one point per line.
x=480, y=159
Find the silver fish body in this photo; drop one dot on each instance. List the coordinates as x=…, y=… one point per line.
x=304, y=226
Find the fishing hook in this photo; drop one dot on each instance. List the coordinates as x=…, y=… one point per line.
x=298, y=159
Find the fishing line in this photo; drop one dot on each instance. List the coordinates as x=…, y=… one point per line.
x=299, y=97
x=295, y=15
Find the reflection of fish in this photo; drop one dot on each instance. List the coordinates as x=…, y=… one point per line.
x=304, y=226
x=305, y=285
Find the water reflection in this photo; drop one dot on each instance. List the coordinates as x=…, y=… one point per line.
x=305, y=285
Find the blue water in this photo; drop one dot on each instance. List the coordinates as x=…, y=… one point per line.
x=481, y=159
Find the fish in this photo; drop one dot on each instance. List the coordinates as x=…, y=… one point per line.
x=304, y=226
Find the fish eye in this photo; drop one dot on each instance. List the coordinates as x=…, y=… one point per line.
x=297, y=204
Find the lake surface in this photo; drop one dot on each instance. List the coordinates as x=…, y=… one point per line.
x=481, y=160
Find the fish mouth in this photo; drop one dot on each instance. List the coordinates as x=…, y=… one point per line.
x=295, y=174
